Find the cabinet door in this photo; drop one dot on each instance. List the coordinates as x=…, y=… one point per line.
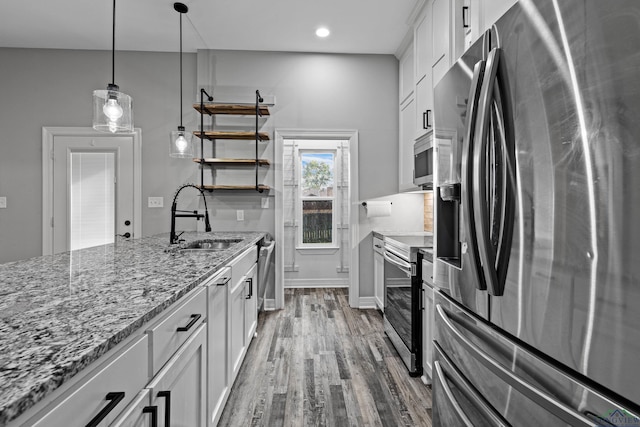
x=441, y=26
x=378, y=279
x=139, y=413
x=424, y=106
x=236, y=326
x=428, y=319
x=179, y=390
x=251, y=305
x=217, y=345
x=423, y=45
x=406, y=73
x=405, y=154
x=493, y=10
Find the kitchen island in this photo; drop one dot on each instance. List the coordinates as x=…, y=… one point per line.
x=61, y=313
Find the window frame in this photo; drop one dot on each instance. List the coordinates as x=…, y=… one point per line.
x=300, y=199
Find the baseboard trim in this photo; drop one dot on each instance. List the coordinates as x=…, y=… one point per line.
x=269, y=304
x=367, y=302
x=316, y=283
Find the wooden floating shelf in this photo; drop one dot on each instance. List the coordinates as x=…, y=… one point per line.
x=231, y=162
x=234, y=187
x=232, y=109
x=218, y=134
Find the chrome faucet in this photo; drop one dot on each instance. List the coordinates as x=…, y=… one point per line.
x=173, y=238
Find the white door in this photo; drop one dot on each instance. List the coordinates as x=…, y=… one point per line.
x=92, y=191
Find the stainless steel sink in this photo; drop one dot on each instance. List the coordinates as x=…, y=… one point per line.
x=209, y=245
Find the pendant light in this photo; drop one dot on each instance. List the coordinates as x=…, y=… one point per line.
x=181, y=141
x=111, y=108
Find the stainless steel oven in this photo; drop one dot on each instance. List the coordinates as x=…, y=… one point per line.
x=403, y=310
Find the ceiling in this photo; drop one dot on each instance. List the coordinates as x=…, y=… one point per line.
x=357, y=26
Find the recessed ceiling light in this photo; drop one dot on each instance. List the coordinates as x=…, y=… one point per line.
x=322, y=32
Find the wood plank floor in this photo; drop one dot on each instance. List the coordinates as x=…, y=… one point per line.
x=320, y=363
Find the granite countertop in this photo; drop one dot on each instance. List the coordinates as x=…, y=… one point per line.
x=60, y=313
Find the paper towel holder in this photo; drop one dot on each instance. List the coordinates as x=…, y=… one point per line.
x=365, y=204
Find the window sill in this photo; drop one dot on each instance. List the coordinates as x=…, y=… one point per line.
x=319, y=250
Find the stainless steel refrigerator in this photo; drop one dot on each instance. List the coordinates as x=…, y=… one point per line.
x=537, y=130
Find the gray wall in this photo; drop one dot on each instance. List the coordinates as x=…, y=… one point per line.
x=43, y=87
x=320, y=92
x=313, y=91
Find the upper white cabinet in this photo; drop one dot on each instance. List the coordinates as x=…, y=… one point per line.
x=407, y=84
x=423, y=51
x=479, y=16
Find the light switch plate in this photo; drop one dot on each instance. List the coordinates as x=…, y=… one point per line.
x=3, y=202
x=156, y=202
x=240, y=215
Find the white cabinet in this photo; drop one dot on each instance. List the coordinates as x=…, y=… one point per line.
x=480, y=15
x=378, y=272
x=238, y=304
x=428, y=320
x=139, y=413
x=405, y=149
x=179, y=390
x=423, y=48
x=218, y=382
x=105, y=391
x=251, y=305
x=406, y=73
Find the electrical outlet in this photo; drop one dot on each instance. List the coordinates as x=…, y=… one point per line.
x=265, y=203
x=3, y=202
x=240, y=215
x=156, y=202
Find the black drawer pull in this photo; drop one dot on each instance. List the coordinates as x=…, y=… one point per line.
x=465, y=15
x=250, y=280
x=114, y=398
x=153, y=410
x=167, y=406
x=223, y=281
x=194, y=319
x=425, y=119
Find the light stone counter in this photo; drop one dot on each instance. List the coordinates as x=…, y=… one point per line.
x=60, y=313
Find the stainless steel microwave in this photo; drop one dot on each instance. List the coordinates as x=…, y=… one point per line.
x=423, y=163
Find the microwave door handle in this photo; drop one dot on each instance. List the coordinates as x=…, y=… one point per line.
x=540, y=397
x=445, y=370
x=466, y=189
x=481, y=215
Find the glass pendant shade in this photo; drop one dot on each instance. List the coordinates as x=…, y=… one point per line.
x=112, y=110
x=181, y=144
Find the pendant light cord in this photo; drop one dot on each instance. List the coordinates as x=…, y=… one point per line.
x=113, y=46
x=181, y=69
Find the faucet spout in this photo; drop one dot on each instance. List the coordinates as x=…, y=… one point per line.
x=175, y=213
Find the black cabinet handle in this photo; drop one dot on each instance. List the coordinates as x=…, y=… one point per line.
x=194, y=319
x=167, y=406
x=425, y=119
x=153, y=410
x=250, y=280
x=223, y=281
x=114, y=398
x=465, y=15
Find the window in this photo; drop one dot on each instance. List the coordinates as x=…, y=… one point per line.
x=317, y=198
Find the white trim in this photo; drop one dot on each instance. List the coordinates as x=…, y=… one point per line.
x=367, y=303
x=269, y=304
x=48, y=135
x=352, y=136
x=316, y=283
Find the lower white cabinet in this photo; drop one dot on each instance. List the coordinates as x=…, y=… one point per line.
x=179, y=390
x=428, y=319
x=139, y=413
x=378, y=272
x=218, y=379
x=251, y=305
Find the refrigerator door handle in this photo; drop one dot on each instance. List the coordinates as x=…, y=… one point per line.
x=494, y=262
x=541, y=398
x=467, y=174
x=444, y=370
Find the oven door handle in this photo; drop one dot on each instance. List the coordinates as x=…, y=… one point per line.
x=398, y=262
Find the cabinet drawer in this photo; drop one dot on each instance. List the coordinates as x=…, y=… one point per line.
x=174, y=329
x=120, y=378
x=242, y=263
x=427, y=272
